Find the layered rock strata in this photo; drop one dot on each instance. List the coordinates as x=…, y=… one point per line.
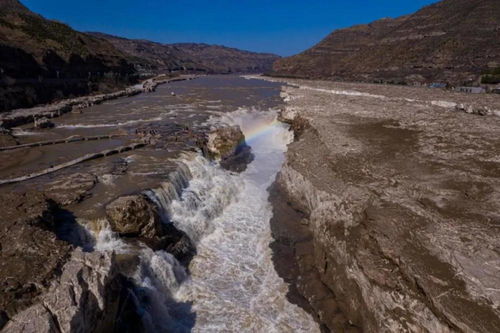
x=400, y=197
x=452, y=41
x=51, y=280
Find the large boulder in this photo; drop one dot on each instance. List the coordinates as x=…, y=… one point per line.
x=228, y=145
x=136, y=216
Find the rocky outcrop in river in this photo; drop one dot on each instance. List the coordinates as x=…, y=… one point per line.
x=52, y=280
x=398, y=193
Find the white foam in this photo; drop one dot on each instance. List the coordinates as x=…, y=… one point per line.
x=444, y=104
x=125, y=123
x=233, y=285
x=344, y=92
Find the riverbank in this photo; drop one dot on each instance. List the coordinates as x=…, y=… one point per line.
x=390, y=182
x=41, y=114
x=111, y=245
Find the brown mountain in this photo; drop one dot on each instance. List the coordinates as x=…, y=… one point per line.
x=42, y=60
x=193, y=57
x=453, y=41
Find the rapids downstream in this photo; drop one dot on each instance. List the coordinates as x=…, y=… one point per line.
x=231, y=284
x=123, y=213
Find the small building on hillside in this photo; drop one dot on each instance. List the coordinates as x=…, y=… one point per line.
x=471, y=90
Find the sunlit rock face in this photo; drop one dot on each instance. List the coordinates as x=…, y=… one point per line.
x=398, y=188
x=228, y=145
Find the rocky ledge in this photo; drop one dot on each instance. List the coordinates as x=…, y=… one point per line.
x=388, y=208
x=51, y=279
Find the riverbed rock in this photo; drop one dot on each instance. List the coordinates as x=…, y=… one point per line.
x=137, y=217
x=31, y=256
x=69, y=189
x=43, y=123
x=479, y=110
x=401, y=198
x=228, y=145
x=6, y=139
x=134, y=216
x=88, y=297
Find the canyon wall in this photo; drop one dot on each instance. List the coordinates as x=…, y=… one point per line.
x=399, y=192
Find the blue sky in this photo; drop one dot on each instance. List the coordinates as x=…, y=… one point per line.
x=277, y=26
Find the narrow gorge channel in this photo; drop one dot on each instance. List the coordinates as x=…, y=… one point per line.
x=174, y=236
x=230, y=284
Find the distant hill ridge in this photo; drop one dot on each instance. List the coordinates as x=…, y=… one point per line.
x=451, y=41
x=43, y=60
x=197, y=57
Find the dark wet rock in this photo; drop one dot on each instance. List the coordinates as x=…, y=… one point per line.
x=134, y=216
x=137, y=217
x=239, y=161
x=177, y=243
x=228, y=145
x=43, y=122
x=31, y=256
x=6, y=139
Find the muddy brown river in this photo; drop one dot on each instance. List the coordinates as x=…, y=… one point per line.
x=230, y=284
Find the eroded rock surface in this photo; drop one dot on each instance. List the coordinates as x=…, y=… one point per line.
x=136, y=216
x=228, y=145
x=88, y=297
x=30, y=255
x=401, y=195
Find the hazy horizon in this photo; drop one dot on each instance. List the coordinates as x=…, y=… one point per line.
x=260, y=26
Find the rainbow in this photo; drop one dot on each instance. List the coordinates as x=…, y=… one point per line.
x=253, y=134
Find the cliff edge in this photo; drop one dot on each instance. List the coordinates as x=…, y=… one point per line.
x=399, y=190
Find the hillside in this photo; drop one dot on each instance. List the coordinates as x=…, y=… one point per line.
x=453, y=41
x=42, y=60
x=193, y=57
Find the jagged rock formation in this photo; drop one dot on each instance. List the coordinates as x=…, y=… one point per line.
x=136, y=216
x=227, y=144
x=43, y=60
x=30, y=255
x=399, y=194
x=86, y=298
x=451, y=41
x=192, y=57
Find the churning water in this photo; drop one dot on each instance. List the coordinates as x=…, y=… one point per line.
x=232, y=285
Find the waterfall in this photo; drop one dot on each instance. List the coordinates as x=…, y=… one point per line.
x=172, y=189
x=232, y=285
